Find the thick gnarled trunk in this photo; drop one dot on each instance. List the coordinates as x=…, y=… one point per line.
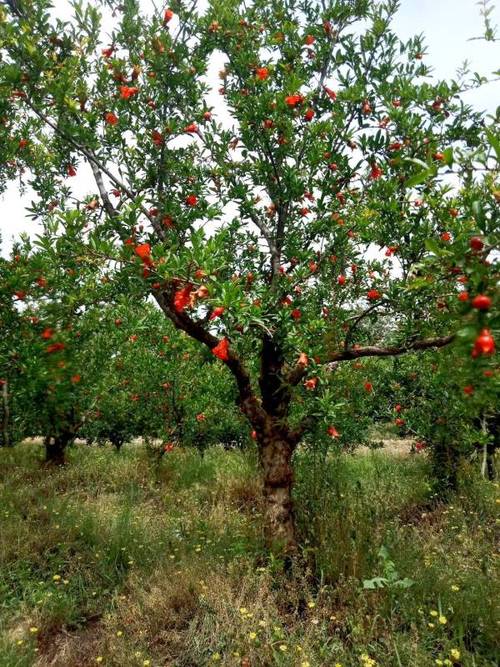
x=276, y=461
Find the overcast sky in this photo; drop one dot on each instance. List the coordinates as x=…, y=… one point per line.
x=447, y=25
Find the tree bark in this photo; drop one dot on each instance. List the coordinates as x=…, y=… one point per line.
x=276, y=461
x=55, y=448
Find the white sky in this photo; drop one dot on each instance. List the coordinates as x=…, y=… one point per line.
x=447, y=26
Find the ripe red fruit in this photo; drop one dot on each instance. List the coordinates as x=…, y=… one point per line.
x=76, y=378
x=454, y=212
x=70, y=170
x=309, y=39
x=309, y=115
x=438, y=156
x=484, y=344
x=262, y=73
x=463, y=296
x=341, y=280
x=368, y=386
x=221, y=350
x=469, y=390
x=376, y=172
x=169, y=446
x=481, y=302
x=253, y=435
x=332, y=432
x=399, y=422
x=191, y=200
x=476, y=243
x=397, y=407
x=296, y=314
x=168, y=16
x=192, y=128
x=47, y=333
x=133, y=338
x=207, y=116
x=118, y=322
x=445, y=236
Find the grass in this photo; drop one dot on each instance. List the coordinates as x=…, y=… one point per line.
x=121, y=560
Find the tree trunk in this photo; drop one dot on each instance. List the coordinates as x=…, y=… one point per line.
x=275, y=457
x=5, y=418
x=55, y=449
x=492, y=445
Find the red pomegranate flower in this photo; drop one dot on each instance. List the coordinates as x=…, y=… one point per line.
x=217, y=312
x=373, y=294
x=111, y=118
x=55, y=347
x=126, y=92
x=221, y=350
x=331, y=93
x=182, y=297
x=294, y=100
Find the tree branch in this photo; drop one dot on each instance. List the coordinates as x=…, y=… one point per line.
x=299, y=371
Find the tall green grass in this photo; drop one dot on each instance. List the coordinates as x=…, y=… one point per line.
x=128, y=559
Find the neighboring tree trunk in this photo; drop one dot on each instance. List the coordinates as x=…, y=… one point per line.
x=445, y=460
x=55, y=448
x=276, y=461
x=6, y=414
x=492, y=424
x=117, y=441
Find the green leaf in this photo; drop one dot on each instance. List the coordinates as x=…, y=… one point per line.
x=419, y=178
x=494, y=141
